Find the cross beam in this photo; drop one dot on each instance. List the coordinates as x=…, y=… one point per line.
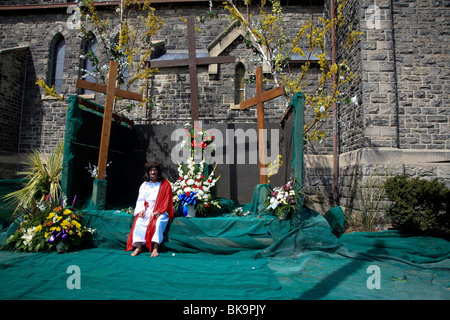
x=111, y=92
x=261, y=97
x=192, y=62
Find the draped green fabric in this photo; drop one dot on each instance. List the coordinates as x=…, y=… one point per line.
x=225, y=257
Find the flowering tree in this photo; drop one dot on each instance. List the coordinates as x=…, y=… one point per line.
x=125, y=40
x=275, y=49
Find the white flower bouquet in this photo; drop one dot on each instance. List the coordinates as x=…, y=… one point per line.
x=194, y=187
x=283, y=200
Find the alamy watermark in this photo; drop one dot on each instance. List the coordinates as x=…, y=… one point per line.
x=373, y=281
x=373, y=17
x=74, y=280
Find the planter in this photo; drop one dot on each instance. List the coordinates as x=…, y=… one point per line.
x=62, y=247
x=284, y=215
x=191, y=212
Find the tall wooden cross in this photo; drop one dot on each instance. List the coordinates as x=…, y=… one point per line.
x=192, y=62
x=258, y=100
x=111, y=92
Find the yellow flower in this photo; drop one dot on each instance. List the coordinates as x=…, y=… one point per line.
x=38, y=228
x=51, y=215
x=46, y=234
x=67, y=211
x=58, y=218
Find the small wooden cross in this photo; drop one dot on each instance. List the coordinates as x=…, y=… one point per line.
x=192, y=62
x=111, y=92
x=258, y=100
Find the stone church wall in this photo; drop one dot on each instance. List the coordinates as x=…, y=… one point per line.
x=398, y=120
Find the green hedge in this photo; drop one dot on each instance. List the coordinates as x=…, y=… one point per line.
x=418, y=205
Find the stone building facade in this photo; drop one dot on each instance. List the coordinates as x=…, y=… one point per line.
x=398, y=120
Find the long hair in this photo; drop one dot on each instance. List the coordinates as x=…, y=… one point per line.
x=150, y=165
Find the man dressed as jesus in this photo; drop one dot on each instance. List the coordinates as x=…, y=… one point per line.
x=154, y=210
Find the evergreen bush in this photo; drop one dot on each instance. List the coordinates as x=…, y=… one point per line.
x=418, y=205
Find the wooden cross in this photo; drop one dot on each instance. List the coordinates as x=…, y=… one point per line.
x=192, y=62
x=258, y=100
x=111, y=92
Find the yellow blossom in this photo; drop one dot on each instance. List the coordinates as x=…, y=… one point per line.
x=51, y=215
x=66, y=212
x=38, y=228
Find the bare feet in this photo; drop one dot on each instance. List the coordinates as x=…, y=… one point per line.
x=155, y=253
x=136, y=252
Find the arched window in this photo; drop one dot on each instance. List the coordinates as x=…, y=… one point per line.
x=88, y=49
x=57, y=63
x=239, y=84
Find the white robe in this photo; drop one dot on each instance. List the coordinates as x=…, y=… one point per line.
x=148, y=191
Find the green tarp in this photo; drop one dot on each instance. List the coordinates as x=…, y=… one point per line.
x=255, y=257
x=227, y=257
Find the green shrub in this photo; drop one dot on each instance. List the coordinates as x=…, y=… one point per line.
x=417, y=205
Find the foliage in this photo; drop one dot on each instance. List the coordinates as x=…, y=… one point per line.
x=239, y=212
x=371, y=202
x=49, y=91
x=46, y=225
x=123, y=40
x=273, y=167
x=43, y=178
x=284, y=199
x=275, y=49
x=418, y=205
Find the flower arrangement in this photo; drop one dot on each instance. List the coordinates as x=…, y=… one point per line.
x=239, y=212
x=197, y=140
x=283, y=200
x=50, y=224
x=193, y=187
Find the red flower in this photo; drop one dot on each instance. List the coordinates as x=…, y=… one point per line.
x=188, y=193
x=202, y=176
x=207, y=205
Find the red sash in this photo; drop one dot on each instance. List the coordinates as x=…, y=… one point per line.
x=163, y=203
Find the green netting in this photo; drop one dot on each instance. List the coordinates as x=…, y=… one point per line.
x=241, y=258
x=321, y=266
x=81, y=150
x=6, y=208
